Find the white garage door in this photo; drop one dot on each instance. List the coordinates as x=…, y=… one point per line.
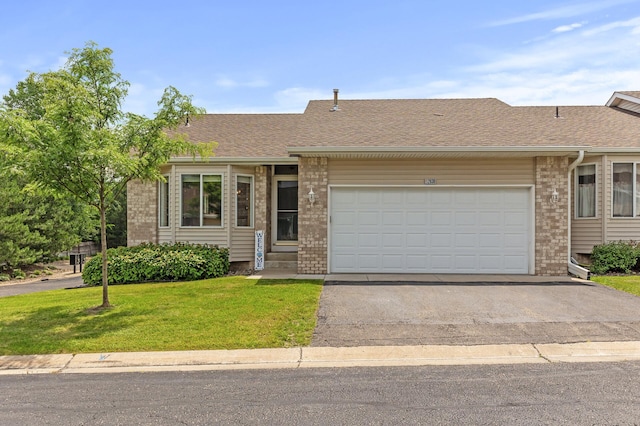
x=430, y=230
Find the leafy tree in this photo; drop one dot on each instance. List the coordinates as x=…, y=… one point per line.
x=36, y=224
x=67, y=131
x=117, y=221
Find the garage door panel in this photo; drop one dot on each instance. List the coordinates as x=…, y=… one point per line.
x=430, y=230
x=490, y=218
x=466, y=240
x=441, y=218
x=393, y=218
x=416, y=240
x=515, y=218
x=490, y=241
x=344, y=218
x=465, y=218
x=441, y=263
x=368, y=261
x=417, y=218
x=345, y=240
x=392, y=241
x=440, y=241
x=366, y=218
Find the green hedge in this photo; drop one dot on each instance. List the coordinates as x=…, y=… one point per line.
x=153, y=262
x=619, y=256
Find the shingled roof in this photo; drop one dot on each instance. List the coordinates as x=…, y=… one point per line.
x=439, y=124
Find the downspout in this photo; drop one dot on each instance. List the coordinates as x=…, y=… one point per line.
x=573, y=268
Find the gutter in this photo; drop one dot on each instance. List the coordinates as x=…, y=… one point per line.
x=572, y=266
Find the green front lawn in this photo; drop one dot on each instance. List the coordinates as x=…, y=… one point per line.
x=628, y=283
x=222, y=313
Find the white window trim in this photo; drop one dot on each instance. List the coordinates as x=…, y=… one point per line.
x=222, y=203
x=575, y=198
x=168, y=201
x=251, y=205
x=634, y=211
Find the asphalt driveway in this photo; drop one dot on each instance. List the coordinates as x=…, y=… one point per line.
x=419, y=313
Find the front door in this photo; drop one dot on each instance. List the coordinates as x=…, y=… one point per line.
x=285, y=217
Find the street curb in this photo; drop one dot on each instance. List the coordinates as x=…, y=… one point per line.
x=319, y=357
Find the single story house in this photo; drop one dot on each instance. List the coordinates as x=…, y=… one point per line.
x=405, y=186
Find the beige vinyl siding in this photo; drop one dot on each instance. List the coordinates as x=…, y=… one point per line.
x=587, y=232
x=242, y=247
x=619, y=228
x=446, y=172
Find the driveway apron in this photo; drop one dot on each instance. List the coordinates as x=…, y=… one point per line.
x=412, y=313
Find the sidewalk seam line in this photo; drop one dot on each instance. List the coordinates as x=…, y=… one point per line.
x=540, y=353
x=299, y=358
x=66, y=365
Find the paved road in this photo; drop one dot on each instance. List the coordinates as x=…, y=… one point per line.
x=580, y=394
x=372, y=314
x=42, y=285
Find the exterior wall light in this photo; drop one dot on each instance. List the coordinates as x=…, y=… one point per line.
x=311, y=196
x=554, y=196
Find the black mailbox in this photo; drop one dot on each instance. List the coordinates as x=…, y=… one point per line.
x=76, y=259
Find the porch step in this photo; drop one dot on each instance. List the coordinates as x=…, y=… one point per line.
x=281, y=261
x=281, y=256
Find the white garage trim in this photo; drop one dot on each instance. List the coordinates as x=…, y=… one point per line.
x=507, y=238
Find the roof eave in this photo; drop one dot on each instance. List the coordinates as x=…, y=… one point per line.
x=249, y=161
x=617, y=97
x=427, y=152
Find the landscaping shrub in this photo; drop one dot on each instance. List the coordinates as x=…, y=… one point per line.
x=620, y=256
x=153, y=262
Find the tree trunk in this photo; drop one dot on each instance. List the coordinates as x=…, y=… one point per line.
x=103, y=241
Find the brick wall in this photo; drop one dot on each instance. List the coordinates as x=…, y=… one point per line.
x=142, y=213
x=551, y=217
x=312, y=219
x=262, y=203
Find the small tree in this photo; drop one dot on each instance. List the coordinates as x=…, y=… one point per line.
x=67, y=131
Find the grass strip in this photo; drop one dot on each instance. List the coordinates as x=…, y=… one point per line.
x=627, y=283
x=222, y=313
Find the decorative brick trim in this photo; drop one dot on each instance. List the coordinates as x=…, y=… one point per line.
x=142, y=212
x=551, y=216
x=312, y=218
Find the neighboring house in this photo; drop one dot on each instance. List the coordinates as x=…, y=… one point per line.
x=406, y=186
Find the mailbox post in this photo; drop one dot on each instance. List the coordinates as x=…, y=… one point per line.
x=76, y=259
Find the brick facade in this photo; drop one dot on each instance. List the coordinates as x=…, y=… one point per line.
x=312, y=218
x=262, y=203
x=551, y=216
x=142, y=213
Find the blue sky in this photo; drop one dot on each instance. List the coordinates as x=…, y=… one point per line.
x=274, y=56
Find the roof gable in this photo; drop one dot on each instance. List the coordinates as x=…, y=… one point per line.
x=628, y=101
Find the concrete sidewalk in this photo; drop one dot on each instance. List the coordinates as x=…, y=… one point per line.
x=320, y=357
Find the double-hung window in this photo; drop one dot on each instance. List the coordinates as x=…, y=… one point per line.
x=586, y=191
x=201, y=200
x=244, y=201
x=163, y=202
x=625, y=187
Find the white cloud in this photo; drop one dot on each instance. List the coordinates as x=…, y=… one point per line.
x=567, y=28
x=562, y=12
x=633, y=23
x=571, y=50
x=226, y=82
